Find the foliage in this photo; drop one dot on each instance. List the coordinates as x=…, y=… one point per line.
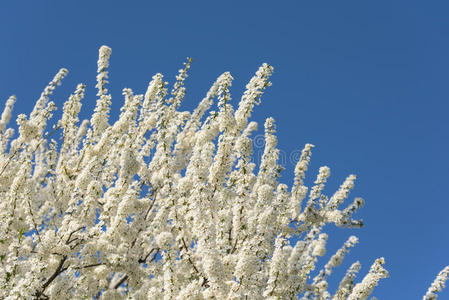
x=164, y=204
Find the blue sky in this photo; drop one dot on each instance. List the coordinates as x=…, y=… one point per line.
x=367, y=82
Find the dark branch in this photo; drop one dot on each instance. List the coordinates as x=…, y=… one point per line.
x=144, y=260
x=59, y=270
x=118, y=284
x=206, y=281
x=71, y=233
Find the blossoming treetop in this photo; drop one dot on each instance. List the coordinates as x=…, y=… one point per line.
x=165, y=204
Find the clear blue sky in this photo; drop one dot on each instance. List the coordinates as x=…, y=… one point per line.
x=367, y=82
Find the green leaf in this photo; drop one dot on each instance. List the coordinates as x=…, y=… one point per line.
x=21, y=234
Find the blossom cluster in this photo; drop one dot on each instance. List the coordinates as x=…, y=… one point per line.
x=165, y=204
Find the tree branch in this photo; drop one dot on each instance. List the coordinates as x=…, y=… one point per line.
x=59, y=270
x=206, y=281
x=119, y=283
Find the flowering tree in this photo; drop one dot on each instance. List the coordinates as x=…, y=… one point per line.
x=164, y=204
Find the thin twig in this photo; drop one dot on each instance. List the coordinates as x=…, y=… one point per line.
x=118, y=284
x=206, y=281
x=70, y=235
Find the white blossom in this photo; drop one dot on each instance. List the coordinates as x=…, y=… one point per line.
x=163, y=203
x=6, y=115
x=363, y=289
x=437, y=285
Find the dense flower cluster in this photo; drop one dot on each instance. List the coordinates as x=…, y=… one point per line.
x=164, y=204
